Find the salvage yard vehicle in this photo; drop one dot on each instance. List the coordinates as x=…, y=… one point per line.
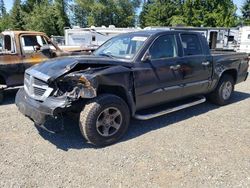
x=143, y=75
x=20, y=50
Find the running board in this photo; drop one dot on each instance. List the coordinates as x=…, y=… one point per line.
x=170, y=110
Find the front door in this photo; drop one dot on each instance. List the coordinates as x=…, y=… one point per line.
x=158, y=79
x=31, y=49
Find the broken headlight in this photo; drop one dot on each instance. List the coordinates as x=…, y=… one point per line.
x=75, y=86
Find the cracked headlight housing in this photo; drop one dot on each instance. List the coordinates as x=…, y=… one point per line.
x=75, y=86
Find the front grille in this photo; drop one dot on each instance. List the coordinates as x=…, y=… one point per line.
x=39, y=82
x=39, y=91
x=36, y=88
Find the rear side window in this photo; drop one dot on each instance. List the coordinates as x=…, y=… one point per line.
x=191, y=44
x=164, y=47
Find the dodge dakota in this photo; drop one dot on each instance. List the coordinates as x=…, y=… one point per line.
x=143, y=75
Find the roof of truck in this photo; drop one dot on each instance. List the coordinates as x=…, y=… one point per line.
x=15, y=32
x=159, y=31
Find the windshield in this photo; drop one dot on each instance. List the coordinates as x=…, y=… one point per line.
x=124, y=47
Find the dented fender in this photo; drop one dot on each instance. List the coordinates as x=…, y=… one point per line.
x=109, y=79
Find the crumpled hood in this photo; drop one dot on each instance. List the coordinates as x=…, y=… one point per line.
x=52, y=69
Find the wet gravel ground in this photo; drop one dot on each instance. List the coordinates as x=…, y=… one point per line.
x=203, y=146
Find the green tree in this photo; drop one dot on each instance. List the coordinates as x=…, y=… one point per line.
x=43, y=19
x=4, y=17
x=17, y=16
x=220, y=13
x=46, y=16
x=246, y=12
x=120, y=13
x=161, y=13
x=79, y=16
x=29, y=5
x=210, y=13
x=2, y=9
x=61, y=15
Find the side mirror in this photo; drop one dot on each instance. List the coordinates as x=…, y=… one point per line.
x=146, y=57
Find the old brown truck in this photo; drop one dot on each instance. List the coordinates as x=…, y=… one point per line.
x=22, y=49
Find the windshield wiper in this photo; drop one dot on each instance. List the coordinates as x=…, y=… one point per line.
x=106, y=55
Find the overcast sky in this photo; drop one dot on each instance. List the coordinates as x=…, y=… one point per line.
x=9, y=4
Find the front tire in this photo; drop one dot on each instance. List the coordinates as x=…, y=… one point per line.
x=223, y=92
x=104, y=120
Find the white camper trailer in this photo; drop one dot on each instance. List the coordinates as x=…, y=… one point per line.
x=93, y=36
x=218, y=38
x=243, y=43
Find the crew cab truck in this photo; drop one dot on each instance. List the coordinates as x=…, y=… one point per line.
x=20, y=50
x=131, y=75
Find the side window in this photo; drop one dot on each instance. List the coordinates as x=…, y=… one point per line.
x=191, y=44
x=32, y=43
x=7, y=42
x=164, y=47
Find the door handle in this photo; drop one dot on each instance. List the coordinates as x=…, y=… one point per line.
x=175, y=67
x=206, y=63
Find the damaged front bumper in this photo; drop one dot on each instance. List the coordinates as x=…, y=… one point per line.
x=40, y=111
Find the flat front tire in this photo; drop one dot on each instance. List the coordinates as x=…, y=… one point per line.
x=223, y=92
x=104, y=120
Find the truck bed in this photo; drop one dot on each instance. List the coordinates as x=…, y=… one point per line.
x=228, y=55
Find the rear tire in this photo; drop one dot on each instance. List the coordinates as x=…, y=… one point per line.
x=104, y=120
x=223, y=92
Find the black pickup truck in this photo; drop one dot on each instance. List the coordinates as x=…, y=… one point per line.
x=142, y=75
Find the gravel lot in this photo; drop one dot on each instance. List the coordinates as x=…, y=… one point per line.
x=203, y=146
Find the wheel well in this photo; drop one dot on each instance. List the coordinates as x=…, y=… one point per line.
x=231, y=72
x=116, y=90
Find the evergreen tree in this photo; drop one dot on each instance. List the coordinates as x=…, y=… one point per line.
x=79, y=16
x=161, y=12
x=2, y=9
x=43, y=19
x=220, y=13
x=246, y=12
x=17, y=16
x=210, y=13
x=120, y=13
x=4, y=17
x=46, y=16
x=29, y=5
x=61, y=15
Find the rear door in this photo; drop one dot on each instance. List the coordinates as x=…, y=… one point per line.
x=196, y=65
x=158, y=79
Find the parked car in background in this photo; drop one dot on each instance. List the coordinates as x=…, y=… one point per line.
x=22, y=49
